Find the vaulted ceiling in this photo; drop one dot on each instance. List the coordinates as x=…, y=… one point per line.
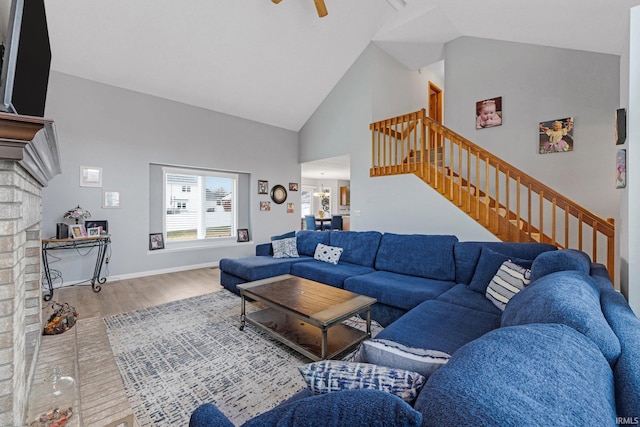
x=275, y=63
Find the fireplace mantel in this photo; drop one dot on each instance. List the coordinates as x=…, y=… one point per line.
x=32, y=142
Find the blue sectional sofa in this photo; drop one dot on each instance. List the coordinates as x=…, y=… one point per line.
x=565, y=350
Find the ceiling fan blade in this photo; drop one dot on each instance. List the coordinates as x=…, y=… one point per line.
x=320, y=7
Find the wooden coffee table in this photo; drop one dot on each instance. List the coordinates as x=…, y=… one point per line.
x=306, y=315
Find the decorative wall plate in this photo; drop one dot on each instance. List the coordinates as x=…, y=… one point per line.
x=278, y=194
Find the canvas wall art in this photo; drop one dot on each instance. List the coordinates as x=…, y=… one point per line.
x=489, y=113
x=556, y=136
x=621, y=169
x=621, y=126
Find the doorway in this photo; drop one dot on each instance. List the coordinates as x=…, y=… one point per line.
x=435, y=110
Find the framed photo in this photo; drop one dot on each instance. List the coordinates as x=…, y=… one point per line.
x=556, y=136
x=289, y=207
x=489, y=113
x=156, y=241
x=265, y=206
x=243, y=235
x=263, y=187
x=621, y=169
x=111, y=199
x=93, y=232
x=77, y=231
x=293, y=186
x=103, y=225
x=90, y=176
x=621, y=126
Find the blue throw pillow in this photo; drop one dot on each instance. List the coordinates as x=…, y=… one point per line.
x=395, y=355
x=335, y=375
x=488, y=265
x=352, y=408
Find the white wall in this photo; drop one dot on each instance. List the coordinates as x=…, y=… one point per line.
x=123, y=132
x=374, y=88
x=537, y=84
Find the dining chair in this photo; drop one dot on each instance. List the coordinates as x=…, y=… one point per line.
x=310, y=221
x=336, y=222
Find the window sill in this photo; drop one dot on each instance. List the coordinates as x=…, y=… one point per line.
x=196, y=246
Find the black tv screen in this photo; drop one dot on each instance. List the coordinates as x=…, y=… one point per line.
x=27, y=60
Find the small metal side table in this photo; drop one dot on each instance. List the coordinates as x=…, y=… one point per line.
x=101, y=242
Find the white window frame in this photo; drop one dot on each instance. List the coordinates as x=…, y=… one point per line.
x=203, y=241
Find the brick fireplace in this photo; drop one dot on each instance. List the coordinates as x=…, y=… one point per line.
x=28, y=160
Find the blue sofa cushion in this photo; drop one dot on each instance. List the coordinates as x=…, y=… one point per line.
x=397, y=290
x=488, y=265
x=283, y=236
x=462, y=295
x=467, y=254
x=342, y=408
x=440, y=326
x=360, y=247
x=566, y=259
x=329, y=376
x=429, y=256
x=308, y=240
x=208, y=415
x=567, y=297
x=259, y=267
x=329, y=274
x=534, y=375
x=626, y=326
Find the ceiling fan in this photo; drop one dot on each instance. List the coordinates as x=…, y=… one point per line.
x=320, y=7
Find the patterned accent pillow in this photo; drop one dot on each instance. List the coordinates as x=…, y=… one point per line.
x=509, y=280
x=334, y=375
x=285, y=248
x=330, y=254
x=395, y=355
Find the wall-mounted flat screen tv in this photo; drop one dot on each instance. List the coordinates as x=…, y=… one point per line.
x=26, y=59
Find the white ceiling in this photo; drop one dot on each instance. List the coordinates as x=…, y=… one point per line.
x=276, y=63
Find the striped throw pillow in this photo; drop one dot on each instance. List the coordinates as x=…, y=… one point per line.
x=509, y=280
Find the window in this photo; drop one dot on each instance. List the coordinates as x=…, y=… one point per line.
x=199, y=204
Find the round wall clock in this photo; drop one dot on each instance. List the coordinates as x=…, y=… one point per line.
x=278, y=194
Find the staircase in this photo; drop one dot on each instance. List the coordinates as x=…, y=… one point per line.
x=503, y=199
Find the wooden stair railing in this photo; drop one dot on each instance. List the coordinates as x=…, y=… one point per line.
x=505, y=200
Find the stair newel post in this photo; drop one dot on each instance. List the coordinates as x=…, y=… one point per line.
x=529, y=211
x=541, y=208
x=553, y=221
x=594, y=243
x=507, y=199
x=611, y=252
x=423, y=139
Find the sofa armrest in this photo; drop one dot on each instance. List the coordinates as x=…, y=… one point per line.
x=207, y=415
x=264, y=249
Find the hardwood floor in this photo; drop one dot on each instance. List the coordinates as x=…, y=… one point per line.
x=133, y=294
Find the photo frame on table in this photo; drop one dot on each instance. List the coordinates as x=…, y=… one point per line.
x=103, y=225
x=77, y=231
x=93, y=232
x=90, y=176
x=243, y=234
x=156, y=241
x=263, y=187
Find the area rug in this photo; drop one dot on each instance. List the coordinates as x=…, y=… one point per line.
x=176, y=356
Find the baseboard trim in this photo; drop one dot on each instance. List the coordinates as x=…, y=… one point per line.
x=111, y=279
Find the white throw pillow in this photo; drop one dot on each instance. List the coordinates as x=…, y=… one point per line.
x=509, y=280
x=330, y=254
x=285, y=248
x=395, y=355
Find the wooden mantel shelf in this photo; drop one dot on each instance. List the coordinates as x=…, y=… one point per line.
x=32, y=142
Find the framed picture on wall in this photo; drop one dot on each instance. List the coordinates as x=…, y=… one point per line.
x=90, y=176
x=621, y=126
x=263, y=187
x=489, y=113
x=621, y=169
x=556, y=136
